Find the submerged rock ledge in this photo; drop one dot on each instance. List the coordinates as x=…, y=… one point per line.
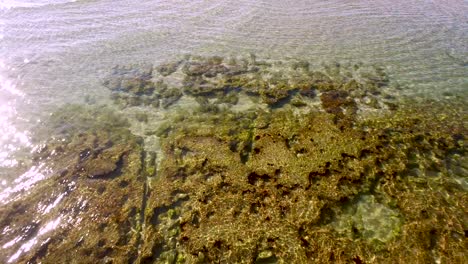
x=299, y=188
x=329, y=166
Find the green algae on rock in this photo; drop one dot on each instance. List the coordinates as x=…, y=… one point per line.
x=303, y=187
x=87, y=210
x=332, y=183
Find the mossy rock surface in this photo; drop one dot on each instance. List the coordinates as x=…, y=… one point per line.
x=304, y=187
x=328, y=184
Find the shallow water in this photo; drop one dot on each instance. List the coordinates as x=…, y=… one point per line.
x=57, y=52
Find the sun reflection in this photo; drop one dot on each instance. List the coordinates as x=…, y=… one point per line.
x=51, y=206
x=32, y=242
x=23, y=182
x=50, y=226
x=8, y=84
x=12, y=242
x=11, y=138
x=15, y=143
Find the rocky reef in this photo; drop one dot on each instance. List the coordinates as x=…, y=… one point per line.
x=343, y=89
x=132, y=86
x=283, y=188
x=87, y=209
x=322, y=165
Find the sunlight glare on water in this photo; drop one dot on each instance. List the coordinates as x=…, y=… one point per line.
x=25, y=247
x=23, y=183
x=13, y=140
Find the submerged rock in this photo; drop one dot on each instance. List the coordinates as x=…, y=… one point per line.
x=166, y=69
x=274, y=85
x=304, y=187
x=134, y=86
x=338, y=102
x=88, y=208
x=133, y=79
x=346, y=178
